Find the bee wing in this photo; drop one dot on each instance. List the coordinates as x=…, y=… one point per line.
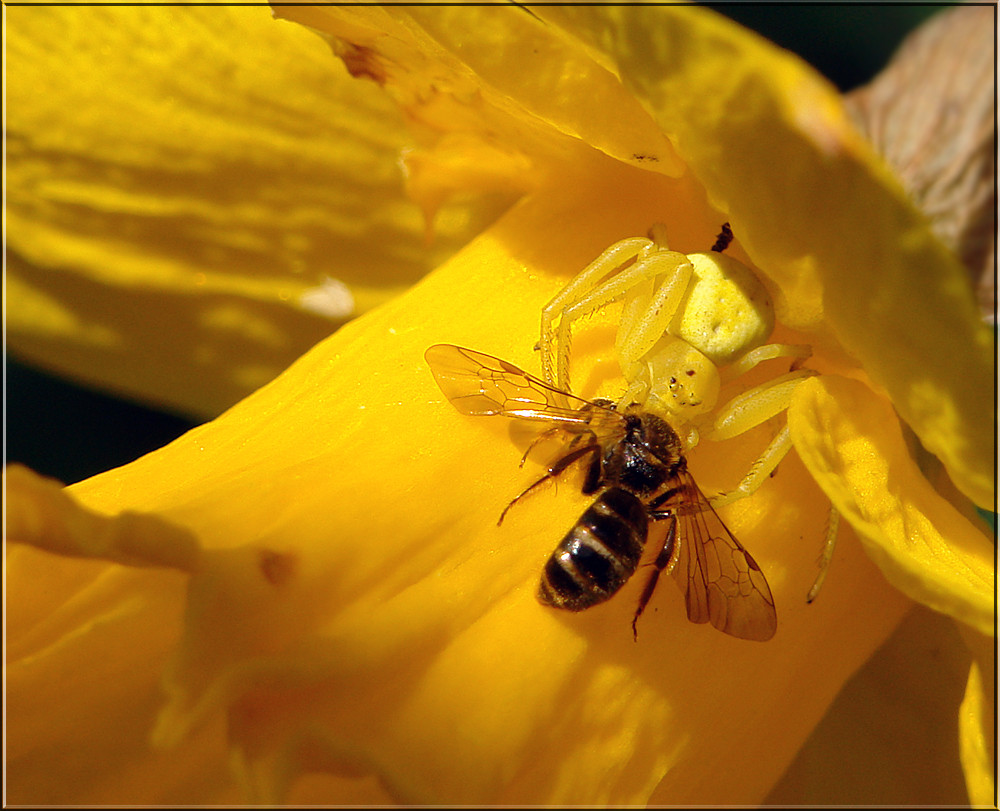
x=478, y=384
x=722, y=584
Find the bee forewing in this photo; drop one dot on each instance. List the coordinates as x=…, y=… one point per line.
x=722, y=583
x=478, y=384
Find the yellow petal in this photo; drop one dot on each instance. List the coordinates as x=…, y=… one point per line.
x=851, y=443
x=358, y=610
x=495, y=73
x=86, y=645
x=87, y=690
x=184, y=216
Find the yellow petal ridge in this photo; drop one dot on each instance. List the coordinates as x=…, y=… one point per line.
x=977, y=722
x=40, y=513
x=975, y=728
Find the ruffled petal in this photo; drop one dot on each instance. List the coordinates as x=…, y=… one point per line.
x=195, y=196
x=850, y=441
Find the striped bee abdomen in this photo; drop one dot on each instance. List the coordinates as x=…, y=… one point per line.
x=598, y=554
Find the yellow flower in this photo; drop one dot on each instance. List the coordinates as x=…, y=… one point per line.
x=317, y=575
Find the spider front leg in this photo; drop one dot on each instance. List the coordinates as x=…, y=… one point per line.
x=608, y=278
x=648, y=310
x=749, y=360
x=748, y=410
x=755, y=406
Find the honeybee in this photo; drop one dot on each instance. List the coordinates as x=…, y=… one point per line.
x=633, y=461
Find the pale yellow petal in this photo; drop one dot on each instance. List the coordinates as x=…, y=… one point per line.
x=497, y=74
x=195, y=196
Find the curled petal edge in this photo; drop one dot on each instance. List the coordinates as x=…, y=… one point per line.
x=851, y=442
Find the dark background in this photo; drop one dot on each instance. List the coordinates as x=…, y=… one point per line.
x=70, y=432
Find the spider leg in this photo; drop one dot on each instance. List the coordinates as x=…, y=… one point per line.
x=748, y=410
x=756, y=405
x=642, y=327
x=747, y=361
x=827, y=555
x=759, y=470
x=647, y=320
x=613, y=257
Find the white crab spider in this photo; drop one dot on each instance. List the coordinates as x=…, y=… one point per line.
x=689, y=324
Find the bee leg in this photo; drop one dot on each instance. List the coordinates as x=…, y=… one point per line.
x=663, y=559
x=558, y=468
x=542, y=437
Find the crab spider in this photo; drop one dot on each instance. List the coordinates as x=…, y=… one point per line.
x=689, y=324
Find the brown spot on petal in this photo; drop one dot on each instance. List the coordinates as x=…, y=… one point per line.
x=277, y=567
x=361, y=62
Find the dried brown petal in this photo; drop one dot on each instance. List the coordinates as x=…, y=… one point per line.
x=932, y=114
